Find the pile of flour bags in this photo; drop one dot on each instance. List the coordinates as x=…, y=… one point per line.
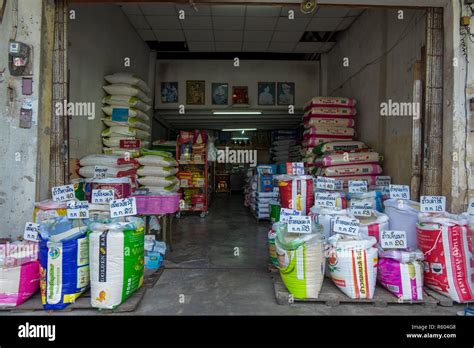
x=329, y=148
x=71, y=256
x=438, y=253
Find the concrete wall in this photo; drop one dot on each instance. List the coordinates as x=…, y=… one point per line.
x=305, y=75
x=381, y=50
x=18, y=146
x=100, y=39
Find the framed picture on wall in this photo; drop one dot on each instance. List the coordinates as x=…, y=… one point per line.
x=240, y=95
x=286, y=93
x=169, y=92
x=220, y=93
x=195, y=92
x=266, y=93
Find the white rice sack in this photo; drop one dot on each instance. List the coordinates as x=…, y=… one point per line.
x=157, y=171
x=131, y=122
x=111, y=172
x=123, y=100
x=118, y=131
x=157, y=181
x=115, y=141
x=121, y=152
x=106, y=160
x=353, y=265
x=129, y=79
x=132, y=112
x=128, y=90
x=157, y=161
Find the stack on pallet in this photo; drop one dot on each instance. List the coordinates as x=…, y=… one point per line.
x=326, y=119
x=284, y=147
x=126, y=107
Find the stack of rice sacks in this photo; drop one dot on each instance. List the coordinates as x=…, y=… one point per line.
x=127, y=108
x=326, y=119
x=284, y=147
x=158, y=172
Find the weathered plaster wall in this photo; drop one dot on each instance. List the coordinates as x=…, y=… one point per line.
x=18, y=146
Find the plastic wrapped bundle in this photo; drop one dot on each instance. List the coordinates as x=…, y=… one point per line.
x=301, y=260
x=352, y=264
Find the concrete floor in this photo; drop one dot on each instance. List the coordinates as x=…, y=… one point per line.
x=218, y=266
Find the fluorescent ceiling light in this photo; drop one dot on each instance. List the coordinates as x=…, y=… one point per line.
x=238, y=129
x=237, y=112
x=240, y=138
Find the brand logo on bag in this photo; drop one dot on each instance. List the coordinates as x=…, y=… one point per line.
x=54, y=253
x=103, y=257
x=237, y=156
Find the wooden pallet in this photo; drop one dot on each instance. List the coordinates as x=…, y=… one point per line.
x=331, y=295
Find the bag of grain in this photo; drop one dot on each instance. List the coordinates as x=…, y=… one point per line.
x=446, y=242
x=64, y=262
x=403, y=216
x=17, y=284
x=116, y=261
x=352, y=264
x=296, y=192
x=401, y=273
x=300, y=260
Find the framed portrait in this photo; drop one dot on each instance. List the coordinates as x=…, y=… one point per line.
x=169, y=92
x=240, y=95
x=195, y=92
x=266, y=93
x=286, y=93
x=220, y=93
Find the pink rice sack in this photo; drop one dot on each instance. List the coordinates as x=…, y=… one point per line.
x=17, y=284
x=371, y=179
x=325, y=121
x=351, y=169
x=328, y=130
x=324, y=111
x=315, y=141
x=331, y=101
x=348, y=158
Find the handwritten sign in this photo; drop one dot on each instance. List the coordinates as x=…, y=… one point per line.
x=102, y=196
x=100, y=172
x=399, y=191
x=432, y=204
x=383, y=180
x=357, y=186
x=63, y=193
x=299, y=224
x=393, y=239
x=361, y=209
x=286, y=213
x=326, y=199
x=129, y=143
x=346, y=225
x=470, y=208
x=31, y=232
x=77, y=210
x=123, y=207
x=325, y=183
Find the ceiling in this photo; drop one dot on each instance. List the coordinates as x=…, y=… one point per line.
x=238, y=28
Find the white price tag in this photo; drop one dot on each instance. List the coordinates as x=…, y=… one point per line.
x=357, y=186
x=77, y=210
x=299, y=224
x=399, y=191
x=123, y=207
x=31, y=232
x=346, y=225
x=393, y=239
x=298, y=168
x=324, y=183
x=432, y=204
x=63, y=193
x=383, y=180
x=285, y=214
x=184, y=183
x=102, y=196
x=361, y=209
x=100, y=172
x=339, y=185
x=470, y=208
x=326, y=199
x=200, y=182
